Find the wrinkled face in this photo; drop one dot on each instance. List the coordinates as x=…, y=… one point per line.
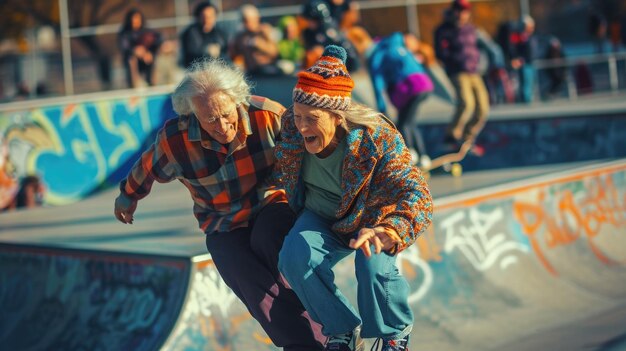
x=207, y=18
x=317, y=126
x=218, y=116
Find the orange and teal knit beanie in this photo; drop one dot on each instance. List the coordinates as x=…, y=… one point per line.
x=327, y=83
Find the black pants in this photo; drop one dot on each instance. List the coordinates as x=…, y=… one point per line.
x=247, y=260
x=407, y=126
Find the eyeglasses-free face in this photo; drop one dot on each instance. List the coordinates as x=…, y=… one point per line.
x=218, y=116
x=318, y=127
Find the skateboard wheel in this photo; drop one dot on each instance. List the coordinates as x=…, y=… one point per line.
x=447, y=167
x=456, y=169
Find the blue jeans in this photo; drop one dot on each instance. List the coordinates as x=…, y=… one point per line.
x=306, y=259
x=527, y=83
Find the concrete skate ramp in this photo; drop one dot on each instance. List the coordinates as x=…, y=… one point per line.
x=530, y=264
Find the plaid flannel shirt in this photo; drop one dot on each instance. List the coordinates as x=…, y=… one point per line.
x=230, y=183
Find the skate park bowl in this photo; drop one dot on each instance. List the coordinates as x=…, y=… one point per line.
x=536, y=263
x=527, y=249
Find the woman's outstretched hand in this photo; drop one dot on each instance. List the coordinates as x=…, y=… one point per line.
x=372, y=236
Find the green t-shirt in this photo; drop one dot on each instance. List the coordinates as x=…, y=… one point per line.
x=322, y=181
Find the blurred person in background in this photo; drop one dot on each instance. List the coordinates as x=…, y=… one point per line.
x=340, y=8
x=22, y=92
x=622, y=27
x=139, y=46
x=456, y=46
x=492, y=68
x=597, y=26
x=30, y=194
x=9, y=186
x=394, y=67
x=166, y=69
x=203, y=39
x=320, y=30
x=290, y=47
x=357, y=34
x=255, y=47
x=441, y=82
x=556, y=74
x=221, y=148
x=520, y=51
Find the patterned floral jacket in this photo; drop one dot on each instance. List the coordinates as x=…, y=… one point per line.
x=379, y=186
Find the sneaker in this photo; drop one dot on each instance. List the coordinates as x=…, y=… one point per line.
x=392, y=345
x=346, y=342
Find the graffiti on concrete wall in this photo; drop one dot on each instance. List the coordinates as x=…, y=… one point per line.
x=498, y=232
x=563, y=214
x=478, y=239
x=77, y=148
x=214, y=318
x=87, y=302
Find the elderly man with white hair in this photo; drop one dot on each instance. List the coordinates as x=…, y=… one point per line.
x=221, y=148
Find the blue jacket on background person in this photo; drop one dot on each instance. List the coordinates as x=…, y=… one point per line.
x=395, y=68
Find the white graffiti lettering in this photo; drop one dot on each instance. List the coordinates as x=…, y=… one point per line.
x=62, y=278
x=129, y=309
x=412, y=256
x=482, y=248
x=209, y=292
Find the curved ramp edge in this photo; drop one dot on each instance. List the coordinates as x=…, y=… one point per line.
x=213, y=318
x=62, y=299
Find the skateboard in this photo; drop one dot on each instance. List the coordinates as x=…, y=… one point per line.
x=450, y=162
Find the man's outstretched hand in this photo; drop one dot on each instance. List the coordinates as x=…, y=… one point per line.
x=124, y=209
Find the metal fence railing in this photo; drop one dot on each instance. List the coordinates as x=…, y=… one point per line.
x=584, y=75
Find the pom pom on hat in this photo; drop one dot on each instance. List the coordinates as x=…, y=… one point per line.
x=336, y=51
x=326, y=84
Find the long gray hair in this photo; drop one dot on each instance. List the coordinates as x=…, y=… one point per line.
x=358, y=114
x=210, y=76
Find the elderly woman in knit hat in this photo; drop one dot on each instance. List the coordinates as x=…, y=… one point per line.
x=348, y=174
